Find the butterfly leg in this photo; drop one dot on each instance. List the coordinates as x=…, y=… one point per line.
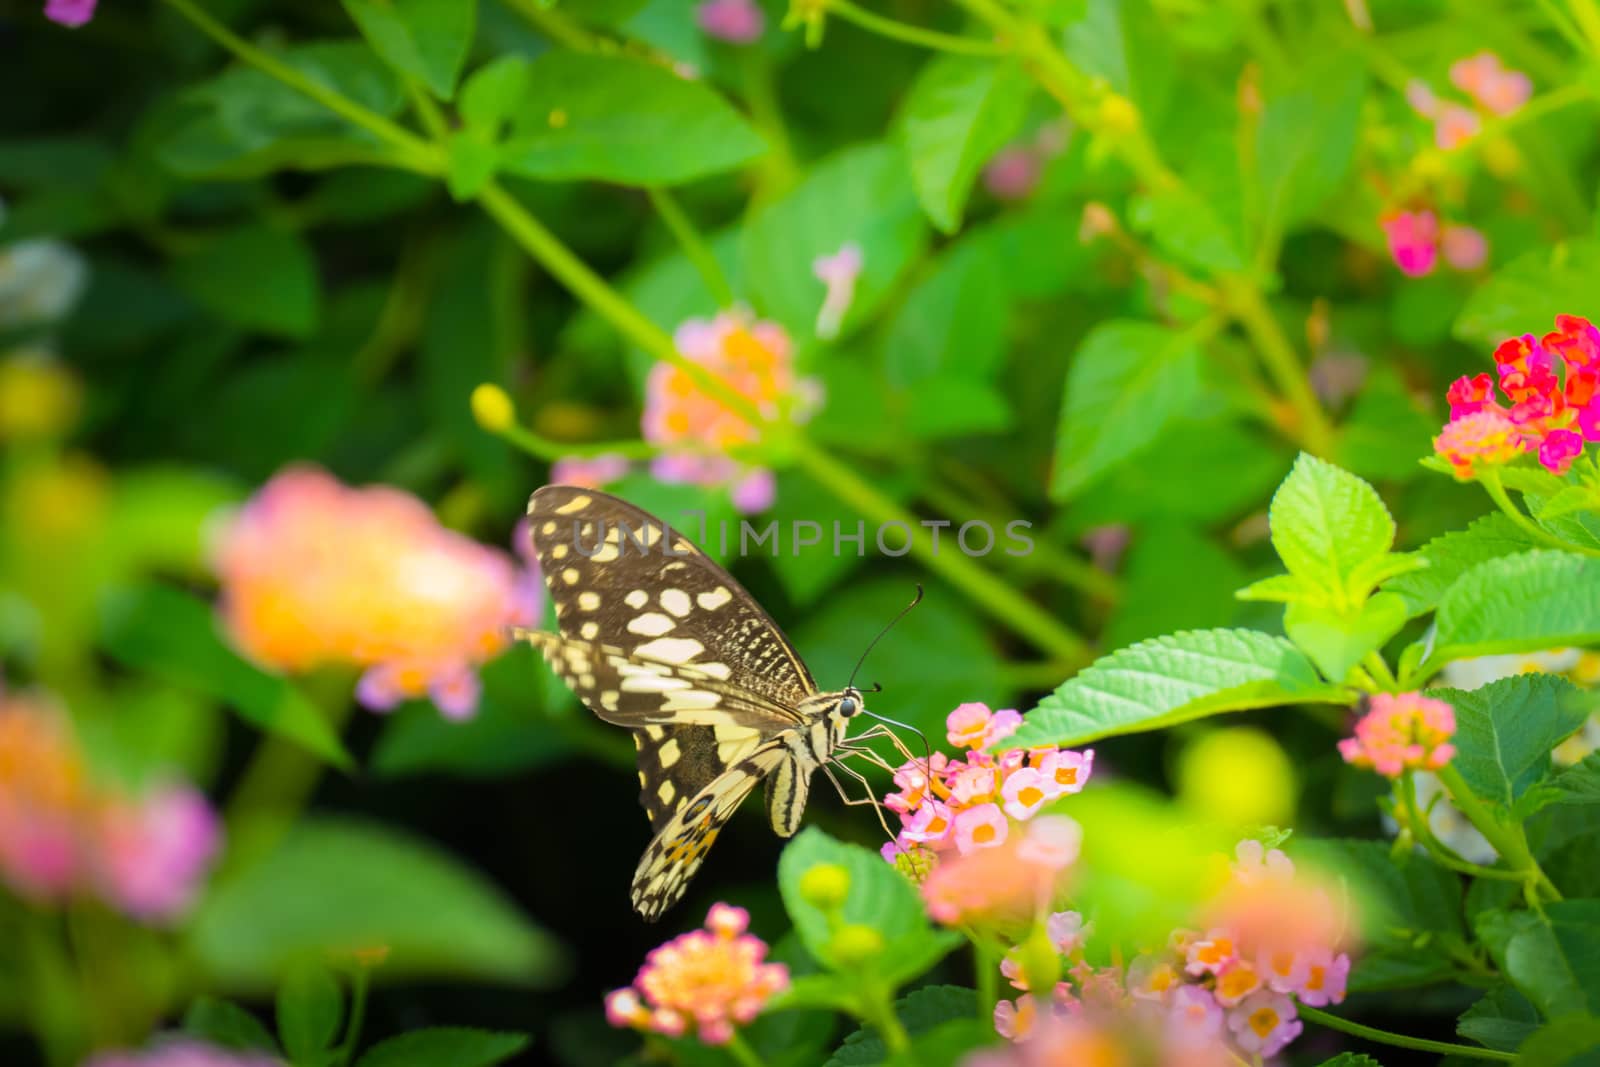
x=880, y=730
x=870, y=798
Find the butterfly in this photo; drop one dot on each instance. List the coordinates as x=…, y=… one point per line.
x=657, y=637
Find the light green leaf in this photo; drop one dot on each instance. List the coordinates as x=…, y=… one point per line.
x=958, y=113
x=1284, y=589
x=493, y=93
x=173, y=636
x=1127, y=382
x=1506, y=729
x=310, y=1008
x=1187, y=225
x=1568, y=501
x=470, y=165
x=454, y=1045
x=1124, y=42
x=1326, y=523
x=1452, y=555
x=1174, y=679
x=427, y=39
x=1528, y=293
x=1522, y=603
x=1338, y=640
x=862, y=195
x=1306, y=140
x=621, y=119
x=256, y=277
x=341, y=886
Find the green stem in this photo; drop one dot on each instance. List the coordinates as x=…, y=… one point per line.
x=694, y=246
x=415, y=153
x=428, y=112
x=1506, y=838
x=359, y=985
x=1489, y=478
x=761, y=97
x=544, y=448
x=1418, y=821
x=987, y=963
x=1386, y=1037
x=909, y=34
x=742, y=1052
x=1282, y=364
x=877, y=1008
x=1378, y=667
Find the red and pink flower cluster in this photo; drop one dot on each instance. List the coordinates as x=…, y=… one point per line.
x=314, y=572
x=1403, y=731
x=1227, y=990
x=65, y=835
x=1416, y=240
x=710, y=980
x=961, y=805
x=1551, y=385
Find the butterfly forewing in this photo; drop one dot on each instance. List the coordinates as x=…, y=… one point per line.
x=657, y=637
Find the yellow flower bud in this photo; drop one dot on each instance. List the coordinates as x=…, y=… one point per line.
x=492, y=407
x=1238, y=776
x=855, y=944
x=825, y=886
x=1118, y=114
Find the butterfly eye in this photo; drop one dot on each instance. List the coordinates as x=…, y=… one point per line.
x=848, y=707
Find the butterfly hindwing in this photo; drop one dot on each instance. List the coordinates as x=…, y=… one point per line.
x=678, y=849
x=677, y=762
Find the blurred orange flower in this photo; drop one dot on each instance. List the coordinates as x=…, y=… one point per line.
x=314, y=572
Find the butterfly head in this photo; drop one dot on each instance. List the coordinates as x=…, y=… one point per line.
x=850, y=703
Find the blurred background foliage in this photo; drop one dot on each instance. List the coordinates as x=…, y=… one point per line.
x=205, y=277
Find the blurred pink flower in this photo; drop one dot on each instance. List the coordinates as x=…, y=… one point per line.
x=183, y=1052
x=1015, y=878
x=45, y=800
x=1405, y=730
x=1264, y=1023
x=153, y=855
x=734, y=21
x=1325, y=978
x=1455, y=126
x=1013, y=172
x=1194, y=1016
x=1495, y=88
x=313, y=572
x=588, y=472
x=69, y=12
x=1413, y=240
x=1464, y=248
x=1420, y=95
x=838, y=273
x=712, y=979
x=1068, y=932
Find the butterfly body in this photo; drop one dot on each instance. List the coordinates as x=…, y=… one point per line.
x=657, y=637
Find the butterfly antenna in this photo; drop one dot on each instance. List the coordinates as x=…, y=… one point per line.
x=874, y=642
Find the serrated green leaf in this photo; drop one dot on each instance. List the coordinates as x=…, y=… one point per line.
x=622, y=119
x=919, y=1012
x=454, y=1045
x=1506, y=729
x=1502, y=1019
x=310, y=1008
x=1522, y=603
x=958, y=113
x=370, y=886
x=426, y=39
x=227, y=1025
x=1580, y=784
x=1453, y=554
x=1338, y=640
x=173, y=636
x=1379, y=569
x=1326, y=523
x=1128, y=381
x=1283, y=589
x=1174, y=679
x=1570, y=500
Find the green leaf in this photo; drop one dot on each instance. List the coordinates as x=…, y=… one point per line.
x=1522, y=603
x=625, y=120
x=1580, y=784
x=173, y=636
x=919, y=1012
x=1124, y=42
x=469, y=166
x=1338, y=640
x=1506, y=729
x=1573, y=1041
x=426, y=39
x=1529, y=292
x=880, y=897
x=224, y=1023
x=951, y=327
x=1553, y=961
x=454, y=1045
x=1175, y=578
x=368, y=886
x=1502, y=1019
x=1127, y=382
x=1452, y=555
x=256, y=277
x=1186, y=224
x=493, y=93
x=310, y=1008
x=1174, y=679
x=1326, y=523
x=863, y=195
x=1306, y=140
x=957, y=114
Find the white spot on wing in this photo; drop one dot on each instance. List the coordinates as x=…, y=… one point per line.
x=589, y=601
x=669, y=752
x=715, y=599
x=636, y=599
x=577, y=503
x=675, y=601
x=671, y=649
x=652, y=683
x=650, y=624
x=570, y=576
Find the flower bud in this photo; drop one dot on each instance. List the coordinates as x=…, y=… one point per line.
x=492, y=408
x=825, y=886
x=855, y=944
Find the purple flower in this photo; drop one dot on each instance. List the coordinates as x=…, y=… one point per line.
x=72, y=13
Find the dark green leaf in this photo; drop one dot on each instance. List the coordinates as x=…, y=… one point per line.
x=224, y=1023
x=1502, y=1020
x=920, y=1012
x=426, y=39
x=1580, y=784
x=1573, y=1041
x=256, y=277
x=437, y=1046
x=1553, y=960
x=310, y=1008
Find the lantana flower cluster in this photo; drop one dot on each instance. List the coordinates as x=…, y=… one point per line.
x=314, y=572
x=1550, y=384
x=960, y=806
x=1493, y=88
x=184, y=1052
x=65, y=835
x=1227, y=989
x=708, y=981
x=697, y=431
x=1417, y=239
x=1400, y=732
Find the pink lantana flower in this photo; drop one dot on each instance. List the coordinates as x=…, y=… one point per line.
x=1405, y=730
x=984, y=826
x=733, y=21
x=1464, y=248
x=72, y=13
x=1263, y=1024
x=1496, y=89
x=154, y=854
x=588, y=472
x=1325, y=977
x=1193, y=1016
x=183, y=1052
x=1068, y=932
x=839, y=274
x=1413, y=238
